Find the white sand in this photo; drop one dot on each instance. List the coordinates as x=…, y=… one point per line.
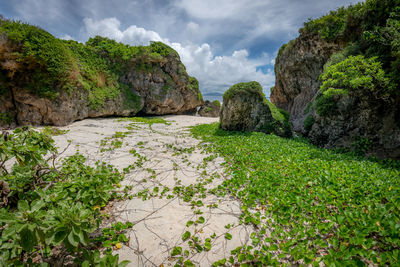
x=160, y=222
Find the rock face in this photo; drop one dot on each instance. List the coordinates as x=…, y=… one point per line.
x=26, y=108
x=361, y=123
x=245, y=108
x=167, y=89
x=96, y=79
x=297, y=69
x=210, y=109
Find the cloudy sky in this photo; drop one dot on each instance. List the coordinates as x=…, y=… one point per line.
x=221, y=42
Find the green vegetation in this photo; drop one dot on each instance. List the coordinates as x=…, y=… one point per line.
x=53, y=131
x=217, y=103
x=146, y=120
x=308, y=205
x=308, y=122
x=6, y=118
x=244, y=88
x=45, y=56
x=370, y=29
x=45, y=205
x=355, y=76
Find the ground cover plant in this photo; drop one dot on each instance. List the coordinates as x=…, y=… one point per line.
x=308, y=205
x=50, y=209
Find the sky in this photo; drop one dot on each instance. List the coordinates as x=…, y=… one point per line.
x=221, y=42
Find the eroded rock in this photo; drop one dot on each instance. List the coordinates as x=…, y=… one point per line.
x=245, y=108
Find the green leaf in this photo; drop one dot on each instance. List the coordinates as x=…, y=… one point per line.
x=273, y=247
x=188, y=263
x=73, y=239
x=37, y=205
x=28, y=239
x=7, y=217
x=207, y=245
x=123, y=263
x=189, y=223
x=228, y=236
x=23, y=205
x=186, y=236
x=201, y=219
x=60, y=235
x=176, y=251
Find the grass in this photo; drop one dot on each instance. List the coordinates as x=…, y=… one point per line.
x=148, y=120
x=308, y=205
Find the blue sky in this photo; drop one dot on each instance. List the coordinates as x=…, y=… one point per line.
x=221, y=42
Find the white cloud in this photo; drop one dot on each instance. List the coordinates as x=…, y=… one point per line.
x=215, y=73
x=66, y=37
x=110, y=28
x=192, y=26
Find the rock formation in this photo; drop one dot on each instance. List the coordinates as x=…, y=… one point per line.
x=297, y=69
x=245, y=108
x=210, y=109
x=73, y=81
x=359, y=118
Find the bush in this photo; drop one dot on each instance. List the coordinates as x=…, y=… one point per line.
x=48, y=204
x=355, y=73
x=308, y=122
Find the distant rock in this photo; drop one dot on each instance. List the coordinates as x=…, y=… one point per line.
x=245, y=108
x=210, y=109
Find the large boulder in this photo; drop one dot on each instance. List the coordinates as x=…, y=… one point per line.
x=46, y=80
x=210, y=109
x=245, y=108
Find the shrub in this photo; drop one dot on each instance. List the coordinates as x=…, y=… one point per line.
x=308, y=122
x=355, y=75
x=49, y=204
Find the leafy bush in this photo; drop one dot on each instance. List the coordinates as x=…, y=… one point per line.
x=308, y=122
x=308, y=205
x=356, y=73
x=49, y=204
x=356, y=76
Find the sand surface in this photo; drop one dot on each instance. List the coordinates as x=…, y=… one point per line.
x=163, y=156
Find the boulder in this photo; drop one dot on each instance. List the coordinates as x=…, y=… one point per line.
x=210, y=109
x=245, y=108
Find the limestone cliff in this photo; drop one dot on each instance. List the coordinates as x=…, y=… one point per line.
x=297, y=68
x=45, y=80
